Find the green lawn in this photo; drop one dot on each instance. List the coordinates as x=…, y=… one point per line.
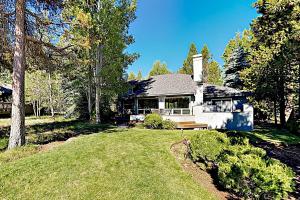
x=273, y=136
x=114, y=164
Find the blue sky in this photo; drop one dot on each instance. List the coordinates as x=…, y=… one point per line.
x=164, y=29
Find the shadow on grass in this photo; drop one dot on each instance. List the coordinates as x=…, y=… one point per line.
x=44, y=133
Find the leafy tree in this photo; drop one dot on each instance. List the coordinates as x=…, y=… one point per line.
x=103, y=26
x=159, y=69
x=275, y=53
x=131, y=76
x=236, y=63
x=187, y=67
x=139, y=76
x=214, y=73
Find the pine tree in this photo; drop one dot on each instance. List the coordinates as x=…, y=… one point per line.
x=187, y=67
x=214, y=73
x=159, y=69
x=206, y=58
x=139, y=76
x=131, y=76
x=236, y=63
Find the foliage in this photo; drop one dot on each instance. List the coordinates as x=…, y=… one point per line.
x=243, y=40
x=5, y=76
x=241, y=168
x=139, y=76
x=248, y=172
x=273, y=75
x=169, y=125
x=159, y=69
x=206, y=58
x=236, y=63
x=207, y=145
x=214, y=74
x=293, y=126
x=153, y=121
x=131, y=76
x=187, y=67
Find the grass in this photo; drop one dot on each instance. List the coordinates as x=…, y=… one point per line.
x=115, y=164
x=275, y=136
x=46, y=129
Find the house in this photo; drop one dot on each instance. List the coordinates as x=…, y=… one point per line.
x=185, y=98
x=5, y=99
x=5, y=102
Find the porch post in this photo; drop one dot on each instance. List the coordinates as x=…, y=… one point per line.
x=161, y=103
x=136, y=106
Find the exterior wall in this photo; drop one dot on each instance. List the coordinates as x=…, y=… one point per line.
x=242, y=121
x=179, y=118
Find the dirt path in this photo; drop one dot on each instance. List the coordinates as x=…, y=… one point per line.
x=201, y=177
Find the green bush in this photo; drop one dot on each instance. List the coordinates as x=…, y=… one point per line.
x=169, y=125
x=153, y=121
x=207, y=145
x=254, y=177
x=293, y=126
x=242, y=168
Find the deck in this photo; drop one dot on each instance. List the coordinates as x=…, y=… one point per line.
x=191, y=125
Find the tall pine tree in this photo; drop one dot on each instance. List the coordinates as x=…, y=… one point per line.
x=206, y=58
x=236, y=63
x=187, y=67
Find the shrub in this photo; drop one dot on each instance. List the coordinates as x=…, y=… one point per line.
x=153, y=121
x=207, y=145
x=242, y=168
x=293, y=126
x=169, y=125
x=247, y=171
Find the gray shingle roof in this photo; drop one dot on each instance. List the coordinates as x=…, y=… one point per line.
x=5, y=90
x=178, y=84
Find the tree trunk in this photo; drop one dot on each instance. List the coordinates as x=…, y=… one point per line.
x=275, y=112
x=34, y=108
x=50, y=93
x=99, y=56
x=298, y=114
x=281, y=94
x=90, y=93
x=17, y=132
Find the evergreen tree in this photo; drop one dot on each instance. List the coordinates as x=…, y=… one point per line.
x=275, y=53
x=206, y=59
x=236, y=63
x=131, y=76
x=214, y=73
x=159, y=69
x=139, y=76
x=187, y=67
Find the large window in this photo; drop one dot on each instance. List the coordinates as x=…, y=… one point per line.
x=181, y=102
x=148, y=103
x=218, y=105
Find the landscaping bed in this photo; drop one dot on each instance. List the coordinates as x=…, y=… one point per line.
x=241, y=168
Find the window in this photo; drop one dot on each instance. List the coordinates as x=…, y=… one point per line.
x=218, y=105
x=148, y=103
x=181, y=102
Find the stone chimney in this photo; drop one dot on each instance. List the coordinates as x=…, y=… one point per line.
x=197, y=68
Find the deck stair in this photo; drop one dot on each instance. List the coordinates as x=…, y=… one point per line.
x=191, y=125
